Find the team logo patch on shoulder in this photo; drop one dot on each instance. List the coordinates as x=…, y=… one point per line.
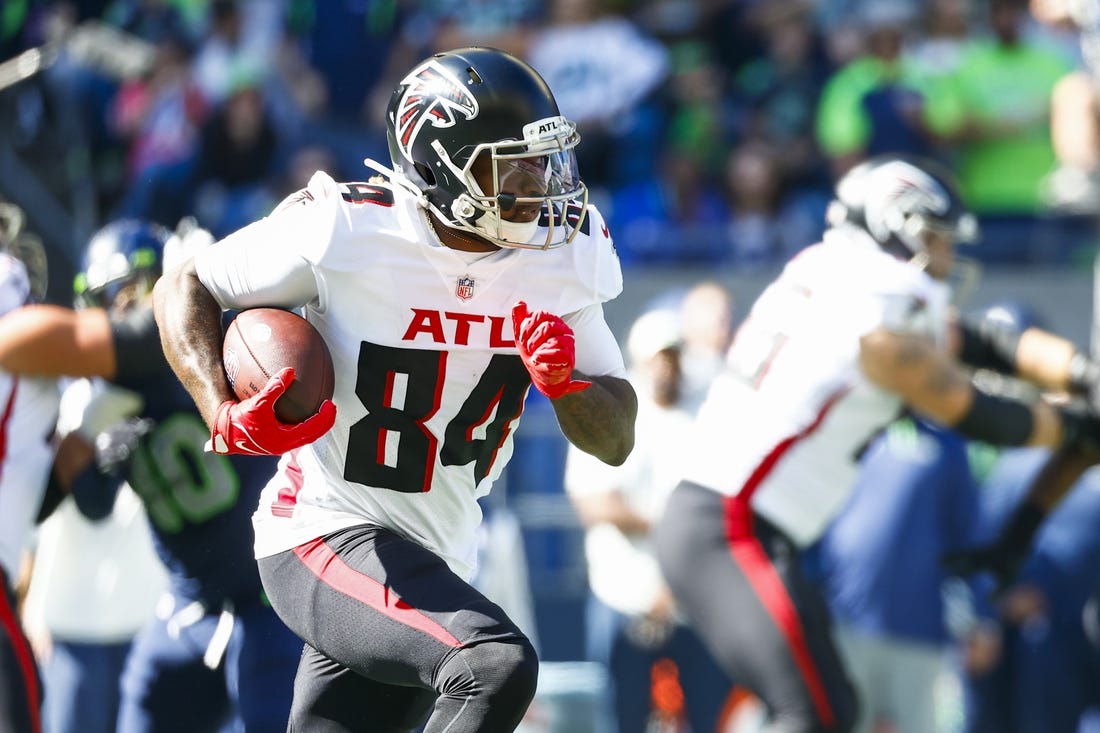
x=465, y=288
x=432, y=95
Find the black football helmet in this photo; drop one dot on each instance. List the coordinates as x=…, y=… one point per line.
x=897, y=200
x=484, y=106
x=123, y=256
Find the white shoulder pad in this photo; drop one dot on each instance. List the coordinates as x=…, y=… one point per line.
x=15, y=286
x=333, y=221
x=303, y=222
x=921, y=311
x=866, y=289
x=321, y=187
x=599, y=275
x=912, y=301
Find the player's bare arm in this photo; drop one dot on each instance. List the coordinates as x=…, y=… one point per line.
x=189, y=320
x=51, y=341
x=933, y=383
x=600, y=420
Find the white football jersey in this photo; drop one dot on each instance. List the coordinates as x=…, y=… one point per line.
x=429, y=385
x=28, y=411
x=788, y=420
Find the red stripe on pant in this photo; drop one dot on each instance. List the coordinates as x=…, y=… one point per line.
x=23, y=657
x=331, y=570
x=754, y=562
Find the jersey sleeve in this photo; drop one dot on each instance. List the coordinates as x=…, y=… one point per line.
x=902, y=300
x=598, y=353
x=274, y=261
x=599, y=275
x=270, y=262
x=242, y=271
x=919, y=310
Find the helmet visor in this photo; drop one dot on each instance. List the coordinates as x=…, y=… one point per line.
x=516, y=184
x=514, y=169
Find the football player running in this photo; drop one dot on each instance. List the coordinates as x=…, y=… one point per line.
x=445, y=288
x=853, y=331
x=216, y=654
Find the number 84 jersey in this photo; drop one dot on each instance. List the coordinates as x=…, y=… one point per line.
x=429, y=384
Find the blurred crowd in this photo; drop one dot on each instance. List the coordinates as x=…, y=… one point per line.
x=714, y=128
x=714, y=131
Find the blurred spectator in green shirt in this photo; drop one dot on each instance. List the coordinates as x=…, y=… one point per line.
x=874, y=103
x=997, y=112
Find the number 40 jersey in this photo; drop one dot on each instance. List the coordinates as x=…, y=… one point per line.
x=429, y=384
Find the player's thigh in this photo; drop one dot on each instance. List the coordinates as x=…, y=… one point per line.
x=20, y=684
x=710, y=588
x=165, y=675
x=330, y=698
x=261, y=661
x=381, y=605
x=765, y=626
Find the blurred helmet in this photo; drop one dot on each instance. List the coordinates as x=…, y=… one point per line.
x=15, y=287
x=484, y=106
x=899, y=200
x=24, y=246
x=125, y=255
x=1012, y=312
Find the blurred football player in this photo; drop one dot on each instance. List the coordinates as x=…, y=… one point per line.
x=853, y=331
x=437, y=286
x=28, y=411
x=216, y=654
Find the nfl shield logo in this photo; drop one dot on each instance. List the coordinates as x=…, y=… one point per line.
x=465, y=288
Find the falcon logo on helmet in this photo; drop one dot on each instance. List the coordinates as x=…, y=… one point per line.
x=432, y=95
x=902, y=190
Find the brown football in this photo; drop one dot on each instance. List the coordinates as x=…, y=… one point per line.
x=259, y=342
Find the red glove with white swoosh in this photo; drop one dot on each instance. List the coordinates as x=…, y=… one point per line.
x=548, y=350
x=250, y=427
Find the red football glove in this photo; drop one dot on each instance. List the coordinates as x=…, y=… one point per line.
x=250, y=427
x=548, y=351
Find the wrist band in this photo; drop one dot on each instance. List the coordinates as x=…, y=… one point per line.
x=997, y=420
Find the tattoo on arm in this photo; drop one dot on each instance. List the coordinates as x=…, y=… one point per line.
x=938, y=375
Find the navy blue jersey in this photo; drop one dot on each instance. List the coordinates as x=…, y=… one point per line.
x=1064, y=561
x=200, y=504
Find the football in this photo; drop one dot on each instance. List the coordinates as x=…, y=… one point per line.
x=259, y=342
